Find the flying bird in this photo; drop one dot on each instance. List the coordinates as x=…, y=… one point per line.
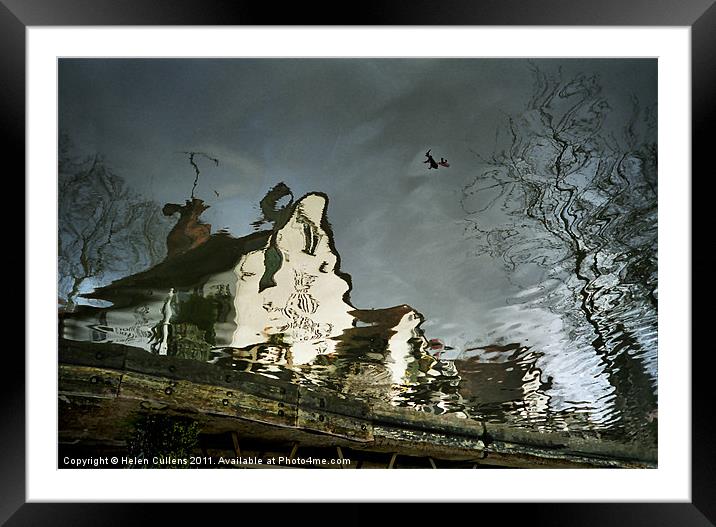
x=430, y=161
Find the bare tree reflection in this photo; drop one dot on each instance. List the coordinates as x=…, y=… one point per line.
x=105, y=229
x=576, y=196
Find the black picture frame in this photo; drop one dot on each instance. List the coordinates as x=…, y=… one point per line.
x=699, y=15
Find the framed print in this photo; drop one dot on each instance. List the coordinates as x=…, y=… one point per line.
x=418, y=244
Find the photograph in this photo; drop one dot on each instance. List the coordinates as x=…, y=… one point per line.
x=357, y=262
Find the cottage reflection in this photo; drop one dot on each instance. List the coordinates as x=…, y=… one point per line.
x=275, y=303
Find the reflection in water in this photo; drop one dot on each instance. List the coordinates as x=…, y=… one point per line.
x=578, y=235
x=273, y=303
x=209, y=304
x=578, y=200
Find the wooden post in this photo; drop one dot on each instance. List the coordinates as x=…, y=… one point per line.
x=340, y=455
x=392, y=460
x=293, y=451
x=235, y=440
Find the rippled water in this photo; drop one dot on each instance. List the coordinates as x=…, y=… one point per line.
x=276, y=303
x=567, y=208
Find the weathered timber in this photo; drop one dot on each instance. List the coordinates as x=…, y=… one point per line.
x=335, y=424
x=103, y=386
x=88, y=381
x=206, y=399
x=505, y=440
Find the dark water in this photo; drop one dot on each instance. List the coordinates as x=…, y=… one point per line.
x=276, y=303
x=566, y=207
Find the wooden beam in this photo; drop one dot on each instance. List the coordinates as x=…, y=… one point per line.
x=99, y=383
